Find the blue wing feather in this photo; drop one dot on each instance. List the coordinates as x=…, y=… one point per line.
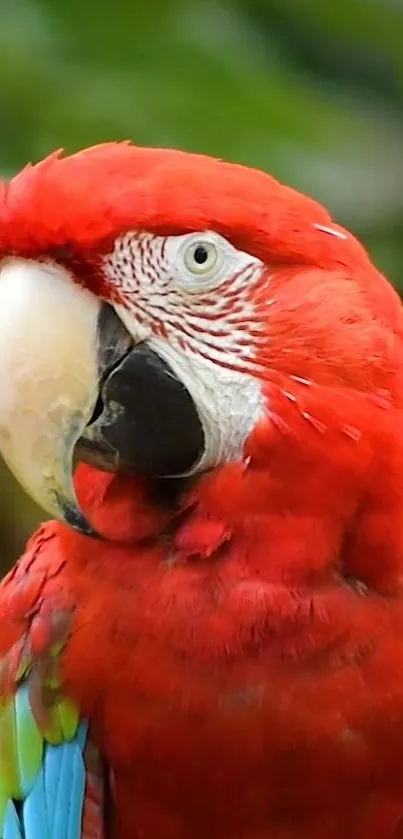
x=53, y=808
x=51, y=776
x=12, y=825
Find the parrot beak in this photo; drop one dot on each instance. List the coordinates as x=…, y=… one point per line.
x=73, y=385
x=49, y=375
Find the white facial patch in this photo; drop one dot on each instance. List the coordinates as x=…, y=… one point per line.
x=191, y=298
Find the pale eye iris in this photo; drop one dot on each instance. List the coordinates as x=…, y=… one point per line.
x=201, y=257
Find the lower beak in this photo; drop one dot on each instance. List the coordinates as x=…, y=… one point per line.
x=73, y=384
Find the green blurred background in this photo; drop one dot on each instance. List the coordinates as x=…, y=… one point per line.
x=311, y=90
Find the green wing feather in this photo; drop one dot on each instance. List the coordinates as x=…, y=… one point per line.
x=22, y=742
x=44, y=774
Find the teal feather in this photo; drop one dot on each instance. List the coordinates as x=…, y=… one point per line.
x=48, y=770
x=12, y=826
x=42, y=783
x=29, y=742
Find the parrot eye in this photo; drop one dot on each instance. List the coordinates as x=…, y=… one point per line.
x=201, y=257
x=200, y=262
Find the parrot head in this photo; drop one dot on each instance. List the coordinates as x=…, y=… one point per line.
x=167, y=314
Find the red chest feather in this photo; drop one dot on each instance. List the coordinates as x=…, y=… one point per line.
x=239, y=680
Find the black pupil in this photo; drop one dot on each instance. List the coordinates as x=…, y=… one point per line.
x=200, y=255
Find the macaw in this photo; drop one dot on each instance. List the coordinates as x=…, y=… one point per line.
x=202, y=383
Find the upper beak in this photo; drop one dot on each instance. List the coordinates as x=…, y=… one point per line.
x=49, y=377
x=61, y=349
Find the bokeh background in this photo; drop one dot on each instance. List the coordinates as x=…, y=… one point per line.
x=311, y=90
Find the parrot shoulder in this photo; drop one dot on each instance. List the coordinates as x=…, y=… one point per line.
x=51, y=776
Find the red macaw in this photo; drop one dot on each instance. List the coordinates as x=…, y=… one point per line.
x=208, y=638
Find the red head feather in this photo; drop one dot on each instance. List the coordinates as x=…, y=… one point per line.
x=74, y=207
x=335, y=319
x=91, y=197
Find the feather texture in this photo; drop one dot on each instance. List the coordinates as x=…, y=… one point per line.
x=239, y=651
x=42, y=776
x=51, y=777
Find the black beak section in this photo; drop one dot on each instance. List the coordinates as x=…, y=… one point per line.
x=145, y=420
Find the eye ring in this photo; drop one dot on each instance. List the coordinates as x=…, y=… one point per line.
x=201, y=257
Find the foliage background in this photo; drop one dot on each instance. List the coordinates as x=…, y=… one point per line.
x=311, y=90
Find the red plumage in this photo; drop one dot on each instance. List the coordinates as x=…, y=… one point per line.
x=240, y=656
x=85, y=201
